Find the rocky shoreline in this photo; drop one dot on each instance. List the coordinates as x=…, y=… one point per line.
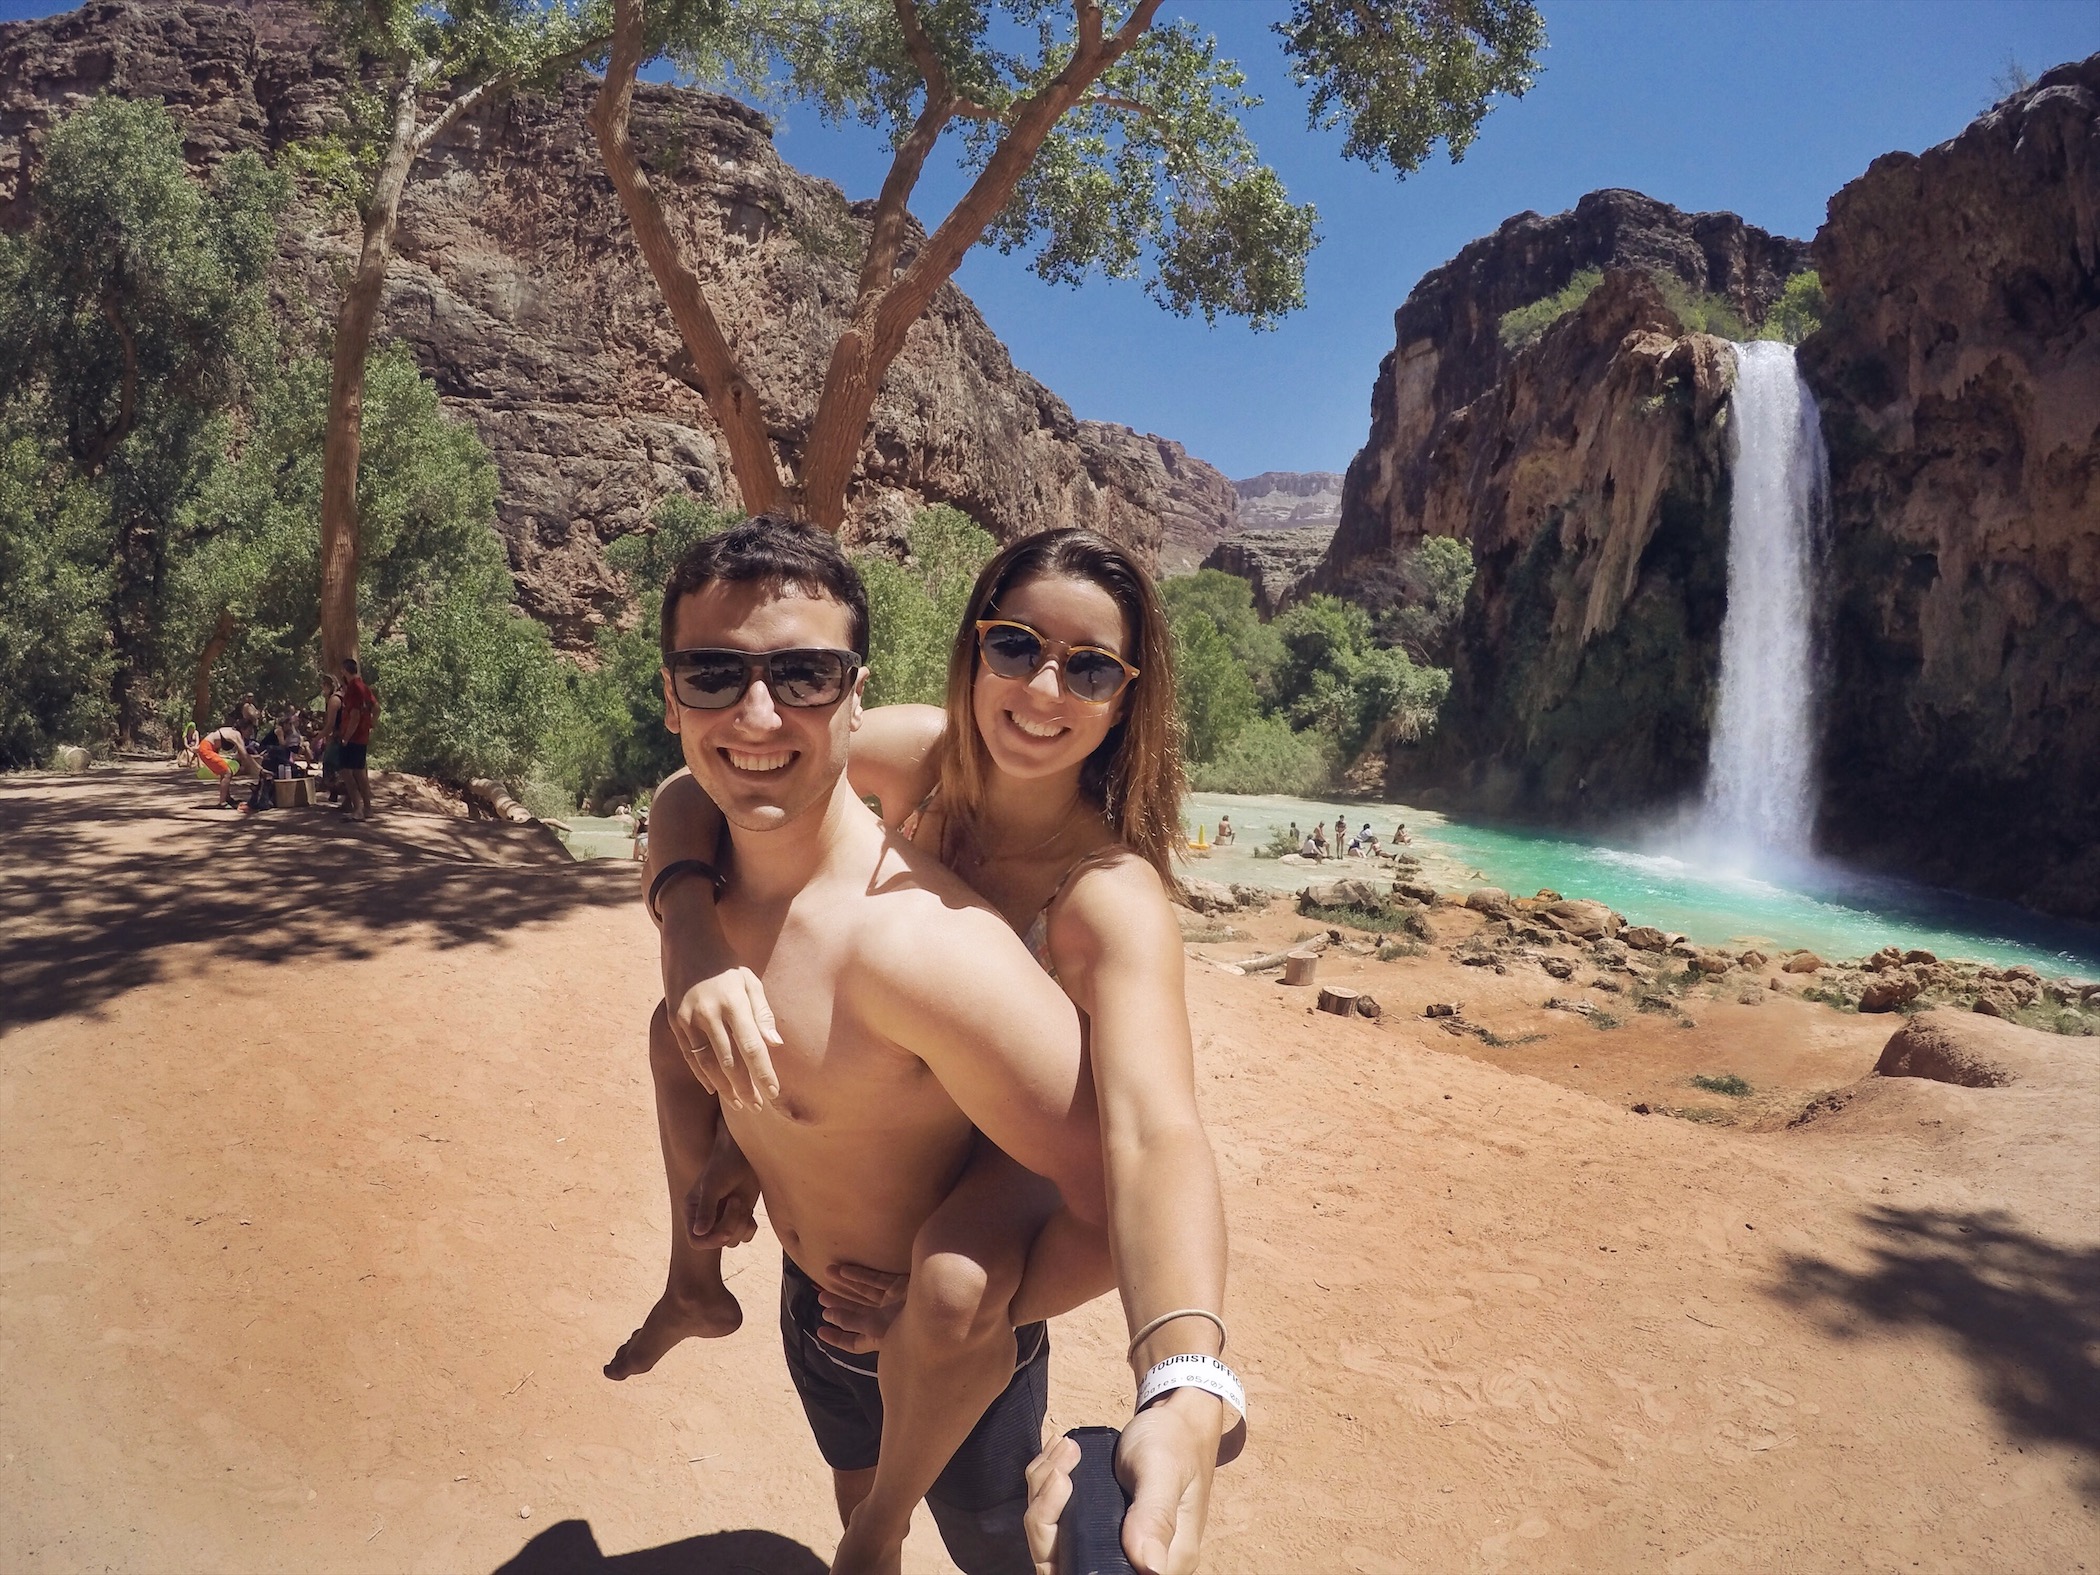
x=1640, y=967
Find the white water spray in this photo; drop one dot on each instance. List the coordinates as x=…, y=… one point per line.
x=1761, y=769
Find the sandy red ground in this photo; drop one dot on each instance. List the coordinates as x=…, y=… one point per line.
x=331, y=1179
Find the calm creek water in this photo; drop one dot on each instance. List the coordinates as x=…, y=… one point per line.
x=1833, y=911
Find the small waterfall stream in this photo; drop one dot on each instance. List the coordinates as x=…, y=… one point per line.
x=1761, y=767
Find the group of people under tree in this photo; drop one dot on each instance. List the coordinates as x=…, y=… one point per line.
x=1002, y=924
x=335, y=745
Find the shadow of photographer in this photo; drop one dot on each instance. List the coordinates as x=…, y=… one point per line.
x=570, y=1548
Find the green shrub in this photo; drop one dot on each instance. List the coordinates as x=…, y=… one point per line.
x=1527, y=324
x=1700, y=311
x=1798, y=312
x=1266, y=756
x=1728, y=1083
x=915, y=607
x=55, y=658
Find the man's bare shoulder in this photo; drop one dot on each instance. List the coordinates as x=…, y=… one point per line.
x=921, y=925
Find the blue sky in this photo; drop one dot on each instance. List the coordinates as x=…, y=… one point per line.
x=1764, y=107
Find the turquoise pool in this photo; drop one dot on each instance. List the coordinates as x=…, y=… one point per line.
x=1829, y=909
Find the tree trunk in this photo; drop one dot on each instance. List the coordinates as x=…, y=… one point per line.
x=887, y=308
x=200, y=685
x=346, y=389
x=733, y=401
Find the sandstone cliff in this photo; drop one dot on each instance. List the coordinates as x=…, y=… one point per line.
x=1156, y=479
x=1959, y=376
x=527, y=302
x=1591, y=482
x=1278, y=563
x=1448, y=350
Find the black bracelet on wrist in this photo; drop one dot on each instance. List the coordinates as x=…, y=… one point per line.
x=676, y=868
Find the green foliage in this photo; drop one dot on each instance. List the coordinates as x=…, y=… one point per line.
x=1402, y=74
x=915, y=607
x=1728, y=1083
x=1438, y=572
x=1215, y=695
x=1151, y=176
x=469, y=687
x=1266, y=756
x=1335, y=680
x=55, y=660
x=1700, y=311
x=426, y=495
x=1798, y=312
x=472, y=688
x=132, y=317
x=1527, y=324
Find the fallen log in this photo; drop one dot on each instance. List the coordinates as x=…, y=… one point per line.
x=495, y=798
x=1268, y=960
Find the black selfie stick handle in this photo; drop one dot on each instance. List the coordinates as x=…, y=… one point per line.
x=1090, y=1531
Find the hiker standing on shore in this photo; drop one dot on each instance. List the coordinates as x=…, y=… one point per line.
x=357, y=709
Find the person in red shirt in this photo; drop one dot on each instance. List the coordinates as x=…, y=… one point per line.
x=353, y=730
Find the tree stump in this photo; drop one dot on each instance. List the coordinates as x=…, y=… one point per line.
x=1298, y=967
x=1337, y=999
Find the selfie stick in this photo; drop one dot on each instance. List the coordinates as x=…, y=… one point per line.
x=1090, y=1531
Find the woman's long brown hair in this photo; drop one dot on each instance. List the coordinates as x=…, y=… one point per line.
x=1135, y=774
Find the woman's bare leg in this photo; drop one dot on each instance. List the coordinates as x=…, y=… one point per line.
x=695, y=1302
x=950, y=1352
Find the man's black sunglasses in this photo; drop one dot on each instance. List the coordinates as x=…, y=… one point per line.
x=715, y=680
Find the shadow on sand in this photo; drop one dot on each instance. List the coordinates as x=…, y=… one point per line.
x=2023, y=1311
x=569, y=1548
x=101, y=874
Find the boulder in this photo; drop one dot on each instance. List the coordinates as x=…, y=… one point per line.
x=1490, y=900
x=1888, y=992
x=1888, y=957
x=1918, y=955
x=1971, y=1051
x=1713, y=962
x=1255, y=897
x=1582, y=919
x=1558, y=967
x=1416, y=891
x=71, y=759
x=1645, y=938
x=1803, y=962
x=1753, y=959
x=1986, y=1007
x=1342, y=894
x=1208, y=896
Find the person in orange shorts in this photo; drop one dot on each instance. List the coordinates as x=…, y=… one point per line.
x=212, y=750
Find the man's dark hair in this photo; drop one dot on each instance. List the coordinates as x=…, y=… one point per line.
x=774, y=550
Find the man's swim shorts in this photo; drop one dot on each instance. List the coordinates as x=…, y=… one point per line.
x=214, y=762
x=978, y=1499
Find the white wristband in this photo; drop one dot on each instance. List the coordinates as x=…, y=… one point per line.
x=1194, y=1371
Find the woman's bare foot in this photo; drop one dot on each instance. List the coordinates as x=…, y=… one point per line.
x=706, y=1314
x=865, y=1551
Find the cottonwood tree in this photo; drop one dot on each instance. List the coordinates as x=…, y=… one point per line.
x=420, y=68
x=1107, y=139
x=132, y=318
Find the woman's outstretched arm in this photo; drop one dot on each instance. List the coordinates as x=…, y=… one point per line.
x=1118, y=951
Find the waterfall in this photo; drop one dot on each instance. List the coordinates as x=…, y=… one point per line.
x=1761, y=771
